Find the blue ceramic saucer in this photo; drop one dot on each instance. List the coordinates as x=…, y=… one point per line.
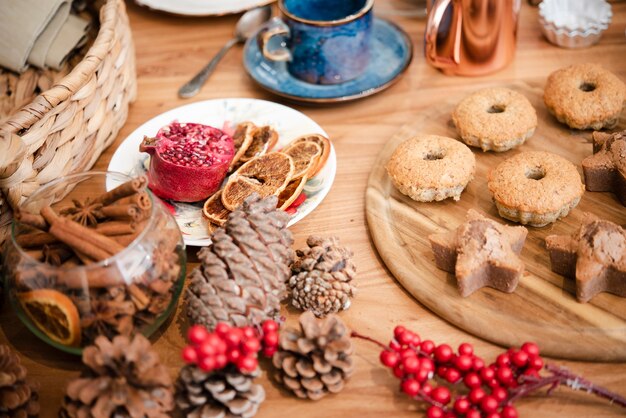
x=392, y=53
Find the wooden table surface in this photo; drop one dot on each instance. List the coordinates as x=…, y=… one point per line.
x=170, y=49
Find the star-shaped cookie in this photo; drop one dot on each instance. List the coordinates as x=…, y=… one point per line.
x=595, y=256
x=480, y=253
x=605, y=170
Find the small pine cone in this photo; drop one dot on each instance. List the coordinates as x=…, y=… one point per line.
x=124, y=379
x=217, y=394
x=316, y=359
x=18, y=396
x=322, y=277
x=241, y=279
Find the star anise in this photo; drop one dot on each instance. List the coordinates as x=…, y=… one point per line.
x=108, y=317
x=84, y=212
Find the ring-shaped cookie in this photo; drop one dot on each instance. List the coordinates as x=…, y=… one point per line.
x=535, y=188
x=585, y=96
x=431, y=167
x=495, y=119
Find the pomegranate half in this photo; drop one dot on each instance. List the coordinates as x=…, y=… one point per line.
x=188, y=161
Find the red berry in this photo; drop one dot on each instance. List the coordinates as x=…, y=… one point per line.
x=499, y=393
x=463, y=363
x=398, y=331
x=247, y=364
x=206, y=349
x=509, y=411
x=270, y=339
x=411, y=364
x=476, y=395
x=406, y=338
x=190, y=355
x=394, y=345
x=249, y=332
x=269, y=351
x=422, y=375
x=221, y=361
x=427, y=364
x=466, y=349
x=452, y=375
x=489, y=404
x=505, y=374
x=434, y=412
x=398, y=372
x=222, y=329
x=197, y=334
x=503, y=360
x=233, y=337
x=407, y=352
x=441, y=394
x=443, y=353
x=214, y=340
x=472, y=380
x=487, y=373
x=531, y=349
x=531, y=373
x=473, y=413
x=207, y=363
x=269, y=326
x=251, y=346
x=493, y=383
x=415, y=339
x=478, y=363
x=441, y=371
x=411, y=387
x=220, y=345
x=233, y=355
x=535, y=363
x=389, y=358
x=462, y=405
x=427, y=346
x=520, y=358
x=493, y=415
x=427, y=388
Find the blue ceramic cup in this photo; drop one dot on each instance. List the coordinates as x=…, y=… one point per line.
x=323, y=41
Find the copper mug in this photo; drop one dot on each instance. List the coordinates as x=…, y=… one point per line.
x=471, y=37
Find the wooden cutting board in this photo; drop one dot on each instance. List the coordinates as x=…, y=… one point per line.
x=543, y=308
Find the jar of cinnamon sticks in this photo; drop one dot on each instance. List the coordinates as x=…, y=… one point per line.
x=106, y=259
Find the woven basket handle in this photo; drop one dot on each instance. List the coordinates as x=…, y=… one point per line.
x=12, y=152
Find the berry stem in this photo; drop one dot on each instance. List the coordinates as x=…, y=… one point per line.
x=577, y=382
x=355, y=334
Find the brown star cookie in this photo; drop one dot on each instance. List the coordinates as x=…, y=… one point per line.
x=605, y=170
x=481, y=252
x=595, y=256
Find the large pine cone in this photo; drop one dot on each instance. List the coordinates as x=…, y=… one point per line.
x=218, y=394
x=316, y=359
x=125, y=380
x=322, y=277
x=18, y=396
x=241, y=280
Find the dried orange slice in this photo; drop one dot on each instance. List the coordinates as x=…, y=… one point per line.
x=54, y=314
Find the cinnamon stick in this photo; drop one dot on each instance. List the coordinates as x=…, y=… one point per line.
x=35, y=239
x=129, y=211
x=80, y=238
x=130, y=187
x=114, y=228
x=32, y=219
x=141, y=200
x=124, y=240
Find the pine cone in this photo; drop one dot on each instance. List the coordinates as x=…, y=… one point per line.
x=316, y=359
x=322, y=277
x=18, y=396
x=241, y=280
x=124, y=379
x=223, y=393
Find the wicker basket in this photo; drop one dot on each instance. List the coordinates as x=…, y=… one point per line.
x=65, y=129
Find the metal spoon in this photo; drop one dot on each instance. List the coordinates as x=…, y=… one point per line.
x=247, y=25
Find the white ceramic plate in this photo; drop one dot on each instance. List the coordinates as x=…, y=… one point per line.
x=202, y=7
x=289, y=124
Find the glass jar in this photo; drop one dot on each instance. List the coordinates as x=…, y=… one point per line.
x=68, y=299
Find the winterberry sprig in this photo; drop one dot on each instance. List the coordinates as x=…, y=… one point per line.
x=238, y=346
x=427, y=372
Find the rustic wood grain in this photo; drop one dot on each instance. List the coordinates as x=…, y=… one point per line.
x=171, y=49
x=543, y=308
